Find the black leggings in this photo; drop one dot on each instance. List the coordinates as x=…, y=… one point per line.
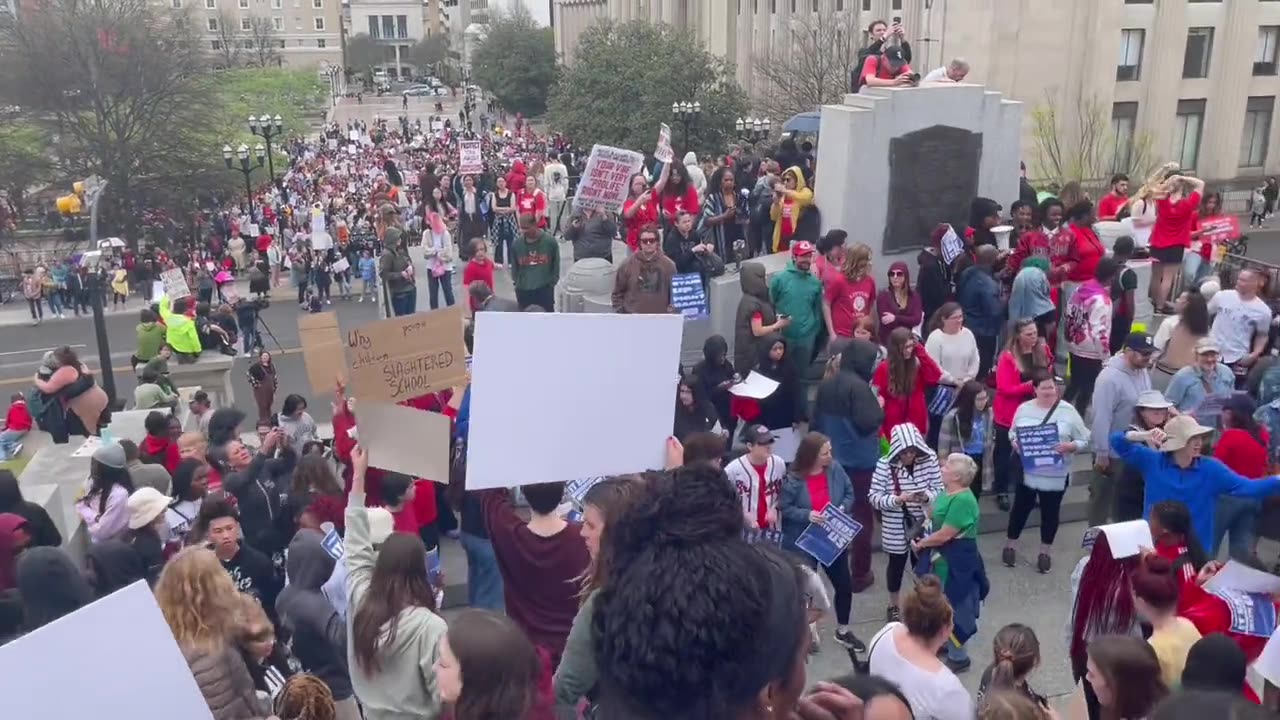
x=1024, y=500
x=1002, y=452
x=838, y=572
x=1084, y=373
x=897, y=566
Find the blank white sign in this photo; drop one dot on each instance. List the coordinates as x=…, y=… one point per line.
x=114, y=658
x=557, y=396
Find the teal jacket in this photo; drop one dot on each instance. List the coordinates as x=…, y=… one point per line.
x=798, y=294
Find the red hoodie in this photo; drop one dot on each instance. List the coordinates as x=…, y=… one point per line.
x=911, y=409
x=18, y=419
x=515, y=178
x=161, y=447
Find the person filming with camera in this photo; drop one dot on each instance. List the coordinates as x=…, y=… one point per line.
x=888, y=69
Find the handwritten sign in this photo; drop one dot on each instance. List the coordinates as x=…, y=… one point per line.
x=175, y=284
x=1038, y=445
x=688, y=296
x=605, y=180
x=663, y=152
x=470, y=159
x=403, y=357
x=825, y=542
x=1220, y=228
x=321, y=349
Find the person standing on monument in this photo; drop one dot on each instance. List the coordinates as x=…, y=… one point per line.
x=797, y=295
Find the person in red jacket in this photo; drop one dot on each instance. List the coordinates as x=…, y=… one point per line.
x=17, y=423
x=479, y=268
x=1088, y=248
x=159, y=447
x=1025, y=352
x=901, y=380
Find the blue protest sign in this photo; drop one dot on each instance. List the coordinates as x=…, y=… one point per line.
x=688, y=296
x=576, y=490
x=332, y=544
x=825, y=542
x=763, y=535
x=1038, y=445
x=1251, y=613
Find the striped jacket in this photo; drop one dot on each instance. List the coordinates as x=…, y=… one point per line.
x=892, y=478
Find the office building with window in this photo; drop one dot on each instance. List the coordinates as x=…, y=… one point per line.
x=300, y=33
x=398, y=25
x=1196, y=80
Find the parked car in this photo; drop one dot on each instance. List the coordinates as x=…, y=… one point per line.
x=418, y=91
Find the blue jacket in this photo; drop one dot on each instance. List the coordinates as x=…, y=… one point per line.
x=1197, y=486
x=966, y=578
x=794, y=503
x=1186, y=390
x=979, y=296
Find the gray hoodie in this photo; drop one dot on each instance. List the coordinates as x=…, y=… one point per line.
x=1115, y=395
x=318, y=631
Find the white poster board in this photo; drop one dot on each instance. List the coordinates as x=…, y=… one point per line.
x=605, y=180
x=663, y=152
x=587, y=415
x=405, y=440
x=141, y=676
x=470, y=159
x=175, y=284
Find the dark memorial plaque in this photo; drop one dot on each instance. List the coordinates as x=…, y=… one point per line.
x=933, y=176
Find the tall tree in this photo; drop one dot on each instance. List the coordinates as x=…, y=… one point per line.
x=24, y=159
x=123, y=86
x=625, y=78
x=516, y=62
x=1078, y=144
x=266, y=41
x=429, y=51
x=230, y=38
x=812, y=69
x=363, y=52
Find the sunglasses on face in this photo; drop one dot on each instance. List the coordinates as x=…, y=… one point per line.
x=897, y=273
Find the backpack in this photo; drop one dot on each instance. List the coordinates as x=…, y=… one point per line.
x=855, y=79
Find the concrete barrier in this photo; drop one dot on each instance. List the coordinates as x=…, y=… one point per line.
x=212, y=371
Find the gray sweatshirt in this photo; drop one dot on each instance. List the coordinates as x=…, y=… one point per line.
x=1115, y=395
x=576, y=675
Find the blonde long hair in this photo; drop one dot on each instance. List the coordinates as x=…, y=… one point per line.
x=198, y=599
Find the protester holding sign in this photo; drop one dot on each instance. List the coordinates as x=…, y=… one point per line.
x=640, y=209
x=905, y=483
x=1047, y=431
x=815, y=481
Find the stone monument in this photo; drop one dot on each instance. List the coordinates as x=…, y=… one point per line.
x=895, y=162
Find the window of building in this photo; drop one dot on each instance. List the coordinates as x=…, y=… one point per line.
x=815, y=5
x=317, y=4
x=793, y=7
x=1130, y=64
x=1195, y=63
x=247, y=44
x=402, y=26
x=1257, y=130
x=866, y=5
x=297, y=23
x=839, y=5
x=773, y=6
x=277, y=4
x=388, y=26
x=896, y=5
x=280, y=44
x=320, y=43
x=1138, y=2
x=319, y=22
x=1186, y=133
x=176, y=4
x=246, y=24
x=1124, y=122
x=212, y=24
x=277, y=24
x=244, y=4
x=373, y=27
x=1204, y=1
x=217, y=44
x=1264, y=61
x=210, y=4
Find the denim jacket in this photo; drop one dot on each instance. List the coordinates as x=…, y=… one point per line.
x=794, y=503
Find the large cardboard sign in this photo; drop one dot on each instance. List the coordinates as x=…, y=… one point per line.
x=322, y=349
x=403, y=357
x=470, y=158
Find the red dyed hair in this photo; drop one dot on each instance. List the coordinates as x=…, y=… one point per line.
x=1104, y=601
x=1154, y=581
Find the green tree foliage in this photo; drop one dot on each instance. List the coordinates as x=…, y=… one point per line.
x=25, y=163
x=363, y=52
x=624, y=79
x=428, y=52
x=516, y=62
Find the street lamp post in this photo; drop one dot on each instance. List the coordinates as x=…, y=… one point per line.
x=267, y=128
x=752, y=130
x=245, y=166
x=686, y=113
x=93, y=188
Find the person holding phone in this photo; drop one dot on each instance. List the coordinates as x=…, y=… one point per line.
x=905, y=482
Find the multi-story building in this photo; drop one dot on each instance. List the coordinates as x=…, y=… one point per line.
x=398, y=25
x=301, y=33
x=1197, y=78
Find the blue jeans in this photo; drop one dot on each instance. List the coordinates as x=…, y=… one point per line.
x=1193, y=269
x=435, y=285
x=404, y=303
x=484, y=580
x=55, y=301
x=1238, y=516
x=10, y=439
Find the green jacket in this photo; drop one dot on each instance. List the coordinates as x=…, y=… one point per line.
x=536, y=264
x=798, y=294
x=150, y=338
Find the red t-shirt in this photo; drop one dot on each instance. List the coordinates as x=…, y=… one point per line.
x=875, y=66
x=673, y=204
x=405, y=520
x=1174, y=221
x=1110, y=205
x=762, y=502
x=850, y=301
x=475, y=270
x=534, y=203
x=1241, y=451
x=646, y=214
x=819, y=491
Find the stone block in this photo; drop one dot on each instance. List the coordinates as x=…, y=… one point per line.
x=726, y=291
x=212, y=371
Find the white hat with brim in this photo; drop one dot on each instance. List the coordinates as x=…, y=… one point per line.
x=1153, y=400
x=145, y=505
x=1179, y=431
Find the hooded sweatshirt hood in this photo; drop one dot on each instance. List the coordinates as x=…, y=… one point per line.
x=906, y=273
x=905, y=435
x=755, y=299
x=115, y=565
x=859, y=356
x=223, y=426
x=309, y=564
x=765, y=364
x=795, y=172
x=751, y=276
x=715, y=349
x=690, y=158
x=51, y=586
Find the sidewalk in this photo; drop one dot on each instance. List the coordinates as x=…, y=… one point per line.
x=18, y=312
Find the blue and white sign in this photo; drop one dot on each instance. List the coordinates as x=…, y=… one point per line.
x=688, y=296
x=332, y=544
x=577, y=489
x=826, y=541
x=1251, y=613
x=1038, y=445
x=763, y=535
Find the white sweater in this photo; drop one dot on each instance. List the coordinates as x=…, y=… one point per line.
x=957, y=354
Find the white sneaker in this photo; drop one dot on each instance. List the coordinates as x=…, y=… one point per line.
x=359, y=299
x=35, y=323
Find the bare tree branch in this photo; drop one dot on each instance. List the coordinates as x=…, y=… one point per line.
x=1081, y=144
x=266, y=45
x=812, y=68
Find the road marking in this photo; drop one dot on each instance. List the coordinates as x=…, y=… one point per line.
x=123, y=369
x=38, y=350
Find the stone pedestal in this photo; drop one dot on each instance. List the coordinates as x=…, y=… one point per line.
x=212, y=372
x=724, y=294
x=587, y=286
x=898, y=161
x=54, y=480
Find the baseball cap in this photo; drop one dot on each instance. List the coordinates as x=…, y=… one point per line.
x=758, y=435
x=1206, y=345
x=804, y=247
x=111, y=455
x=893, y=55
x=1139, y=342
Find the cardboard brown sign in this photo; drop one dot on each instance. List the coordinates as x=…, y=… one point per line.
x=322, y=349
x=403, y=357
